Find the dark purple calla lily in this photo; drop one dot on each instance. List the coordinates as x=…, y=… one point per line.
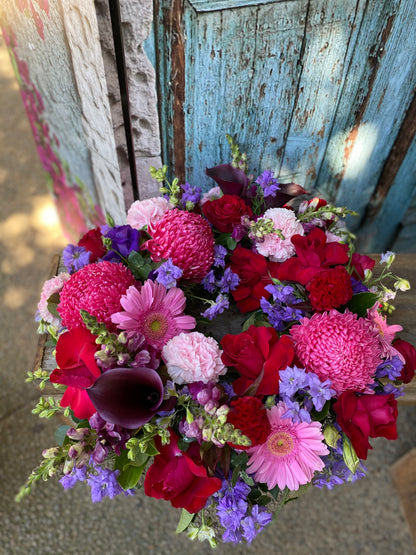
x=232, y=181
x=286, y=192
x=128, y=397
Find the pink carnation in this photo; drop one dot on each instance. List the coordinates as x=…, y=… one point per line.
x=338, y=346
x=187, y=239
x=142, y=213
x=96, y=288
x=272, y=246
x=193, y=357
x=50, y=287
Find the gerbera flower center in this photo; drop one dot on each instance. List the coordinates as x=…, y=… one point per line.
x=280, y=443
x=155, y=325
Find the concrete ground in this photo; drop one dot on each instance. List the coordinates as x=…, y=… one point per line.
x=363, y=518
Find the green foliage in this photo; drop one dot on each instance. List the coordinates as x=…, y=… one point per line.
x=350, y=456
x=185, y=520
x=361, y=302
x=60, y=434
x=140, y=265
x=130, y=471
x=41, y=376
x=48, y=407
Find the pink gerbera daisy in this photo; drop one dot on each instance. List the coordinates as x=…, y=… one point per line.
x=290, y=455
x=155, y=312
x=338, y=346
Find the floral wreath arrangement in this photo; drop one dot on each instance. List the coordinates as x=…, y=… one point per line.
x=227, y=426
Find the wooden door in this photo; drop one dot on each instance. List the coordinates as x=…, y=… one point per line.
x=323, y=93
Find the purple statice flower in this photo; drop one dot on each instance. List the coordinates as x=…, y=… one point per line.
x=391, y=388
x=295, y=412
x=209, y=282
x=232, y=509
x=190, y=194
x=220, y=253
x=168, y=274
x=358, y=286
x=229, y=281
x=75, y=258
x=104, y=484
x=319, y=391
x=77, y=475
x=268, y=183
x=124, y=240
x=390, y=369
x=221, y=303
x=335, y=471
x=279, y=315
x=255, y=523
x=291, y=380
x=283, y=294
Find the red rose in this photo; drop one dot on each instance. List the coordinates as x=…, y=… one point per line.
x=77, y=369
x=254, y=272
x=361, y=263
x=179, y=477
x=225, y=212
x=92, y=241
x=364, y=416
x=313, y=254
x=409, y=353
x=258, y=354
x=330, y=288
x=248, y=415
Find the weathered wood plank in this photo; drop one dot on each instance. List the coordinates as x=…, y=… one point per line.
x=403, y=473
x=373, y=105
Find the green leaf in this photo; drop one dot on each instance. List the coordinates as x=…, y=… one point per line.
x=331, y=435
x=322, y=414
x=249, y=322
x=184, y=521
x=129, y=477
x=361, y=302
x=151, y=449
x=350, y=456
x=60, y=434
x=231, y=243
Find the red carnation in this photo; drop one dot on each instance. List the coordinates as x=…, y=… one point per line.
x=225, y=212
x=258, y=354
x=409, y=354
x=364, y=416
x=248, y=415
x=254, y=272
x=313, y=254
x=179, y=477
x=330, y=288
x=92, y=242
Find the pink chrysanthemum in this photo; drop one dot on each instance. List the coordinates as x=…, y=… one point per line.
x=338, y=346
x=50, y=287
x=187, y=239
x=142, y=213
x=290, y=455
x=193, y=357
x=96, y=288
x=155, y=312
x=273, y=246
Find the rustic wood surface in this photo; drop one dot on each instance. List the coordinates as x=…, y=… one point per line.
x=403, y=473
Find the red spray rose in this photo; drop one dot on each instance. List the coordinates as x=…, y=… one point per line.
x=361, y=263
x=409, y=354
x=313, y=254
x=179, y=477
x=254, y=351
x=364, y=416
x=248, y=415
x=330, y=288
x=77, y=369
x=225, y=212
x=254, y=272
x=92, y=242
